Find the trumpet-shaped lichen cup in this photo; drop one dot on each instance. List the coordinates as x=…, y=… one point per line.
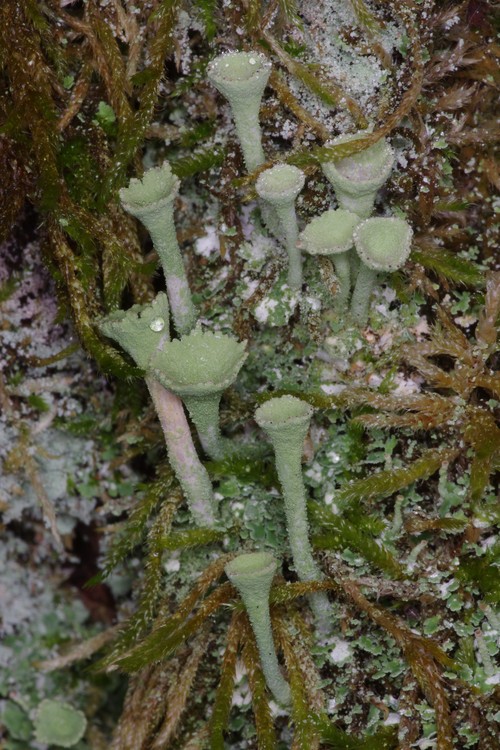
x=141, y=330
x=198, y=368
x=242, y=77
x=286, y=421
x=331, y=235
x=383, y=245
x=151, y=200
x=278, y=187
x=358, y=178
x=252, y=574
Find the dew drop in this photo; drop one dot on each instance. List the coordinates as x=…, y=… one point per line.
x=158, y=324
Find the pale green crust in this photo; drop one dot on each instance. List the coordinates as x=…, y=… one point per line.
x=331, y=235
x=58, y=723
x=278, y=187
x=198, y=368
x=141, y=329
x=151, y=200
x=383, y=245
x=286, y=421
x=242, y=77
x=357, y=178
x=252, y=574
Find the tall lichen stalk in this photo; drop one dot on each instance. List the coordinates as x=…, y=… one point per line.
x=90, y=89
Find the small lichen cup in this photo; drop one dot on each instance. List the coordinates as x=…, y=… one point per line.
x=242, y=77
x=140, y=331
x=151, y=200
x=252, y=575
x=198, y=368
x=286, y=421
x=383, y=245
x=357, y=178
x=279, y=187
x=331, y=235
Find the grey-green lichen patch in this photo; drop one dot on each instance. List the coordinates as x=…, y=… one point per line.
x=58, y=723
x=198, y=364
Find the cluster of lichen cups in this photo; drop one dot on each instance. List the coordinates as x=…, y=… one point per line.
x=383, y=244
x=193, y=371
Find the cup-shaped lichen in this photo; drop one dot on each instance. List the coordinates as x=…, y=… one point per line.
x=279, y=187
x=198, y=368
x=331, y=235
x=286, y=421
x=151, y=200
x=142, y=330
x=242, y=77
x=357, y=178
x=383, y=245
x=252, y=574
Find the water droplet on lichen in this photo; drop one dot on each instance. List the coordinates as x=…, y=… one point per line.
x=158, y=324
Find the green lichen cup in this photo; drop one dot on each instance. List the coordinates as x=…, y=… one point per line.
x=286, y=421
x=331, y=235
x=357, y=178
x=151, y=200
x=383, y=245
x=279, y=187
x=252, y=574
x=242, y=77
x=198, y=368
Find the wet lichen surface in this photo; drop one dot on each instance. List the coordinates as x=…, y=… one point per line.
x=119, y=626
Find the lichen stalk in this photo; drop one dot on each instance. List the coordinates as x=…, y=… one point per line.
x=252, y=574
x=242, y=77
x=204, y=412
x=286, y=421
x=142, y=331
x=190, y=472
x=343, y=274
x=287, y=219
x=151, y=200
x=360, y=301
x=278, y=187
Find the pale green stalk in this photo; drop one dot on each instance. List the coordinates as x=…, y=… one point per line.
x=151, y=200
x=279, y=187
x=141, y=331
x=383, y=244
x=286, y=422
x=198, y=368
x=252, y=574
x=192, y=475
x=242, y=77
x=360, y=301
